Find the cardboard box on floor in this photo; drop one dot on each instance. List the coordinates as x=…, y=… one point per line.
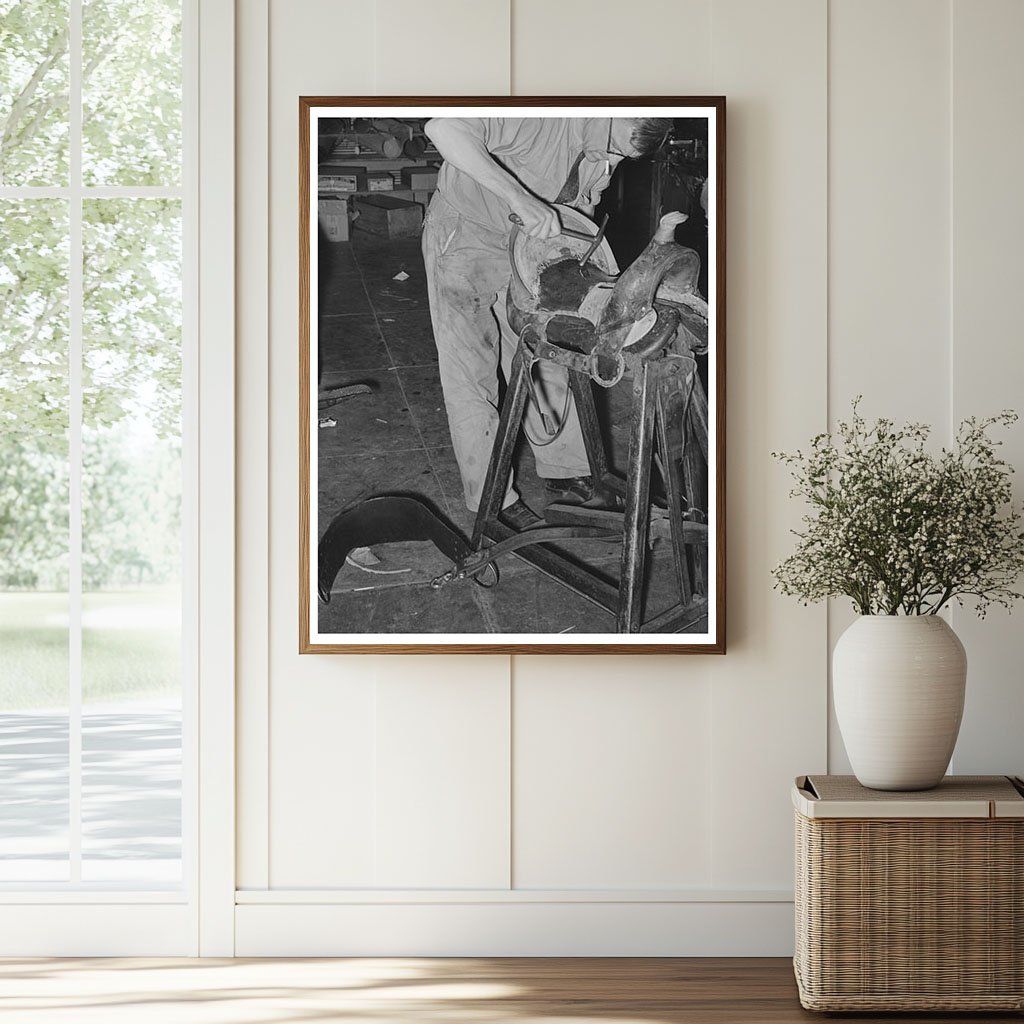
x=388, y=216
x=333, y=216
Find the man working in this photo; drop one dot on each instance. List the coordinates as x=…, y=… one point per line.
x=494, y=167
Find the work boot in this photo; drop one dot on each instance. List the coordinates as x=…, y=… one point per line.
x=519, y=516
x=572, y=490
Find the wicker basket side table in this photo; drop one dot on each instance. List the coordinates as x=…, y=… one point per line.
x=910, y=901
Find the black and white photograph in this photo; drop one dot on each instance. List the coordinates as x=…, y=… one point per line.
x=512, y=375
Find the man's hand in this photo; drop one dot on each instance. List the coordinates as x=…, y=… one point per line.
x=539, y=219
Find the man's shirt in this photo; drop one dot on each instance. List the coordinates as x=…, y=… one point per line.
x=556, y=158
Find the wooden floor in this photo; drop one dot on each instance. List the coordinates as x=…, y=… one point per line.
x=412, y=991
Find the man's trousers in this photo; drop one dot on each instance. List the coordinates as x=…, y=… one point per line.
x=467, y=280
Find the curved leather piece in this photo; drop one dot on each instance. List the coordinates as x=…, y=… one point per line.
x=384, y=519
x=634, y=292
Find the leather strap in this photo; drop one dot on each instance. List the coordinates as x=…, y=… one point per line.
x=385, y=519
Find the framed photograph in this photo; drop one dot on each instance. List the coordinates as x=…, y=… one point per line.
x=512, y=375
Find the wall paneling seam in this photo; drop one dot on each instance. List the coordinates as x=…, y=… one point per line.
x=951, y=282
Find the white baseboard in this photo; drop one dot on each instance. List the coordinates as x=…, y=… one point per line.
x=513, y=928
x=99, y=928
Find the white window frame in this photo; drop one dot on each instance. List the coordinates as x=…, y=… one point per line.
x=51, y=919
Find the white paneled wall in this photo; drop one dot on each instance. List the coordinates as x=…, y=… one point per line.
x=317, y=819
x=323, y=779
x=626, y=805
x=580, y=48
x=889, y=203
x=987, y=356
x=889, y=213
x=252, y=464
x=435, y=48
x=442, y=800
x=612, y=775
x=768, y=693
x=925, y=220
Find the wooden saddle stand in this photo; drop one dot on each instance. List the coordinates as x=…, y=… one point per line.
x=572, y=309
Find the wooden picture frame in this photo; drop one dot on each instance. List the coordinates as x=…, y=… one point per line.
x=687, y=368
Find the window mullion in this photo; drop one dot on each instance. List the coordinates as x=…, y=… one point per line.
x=75, y=334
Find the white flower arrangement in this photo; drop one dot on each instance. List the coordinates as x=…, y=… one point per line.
x=897, y=529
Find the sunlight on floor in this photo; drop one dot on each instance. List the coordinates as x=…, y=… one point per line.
x=165, y=991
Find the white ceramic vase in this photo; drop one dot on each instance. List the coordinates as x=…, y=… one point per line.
x=898, y=684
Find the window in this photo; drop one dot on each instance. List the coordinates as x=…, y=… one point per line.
x=95, y=463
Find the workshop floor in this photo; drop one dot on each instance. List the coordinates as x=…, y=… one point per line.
x=376, y=329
